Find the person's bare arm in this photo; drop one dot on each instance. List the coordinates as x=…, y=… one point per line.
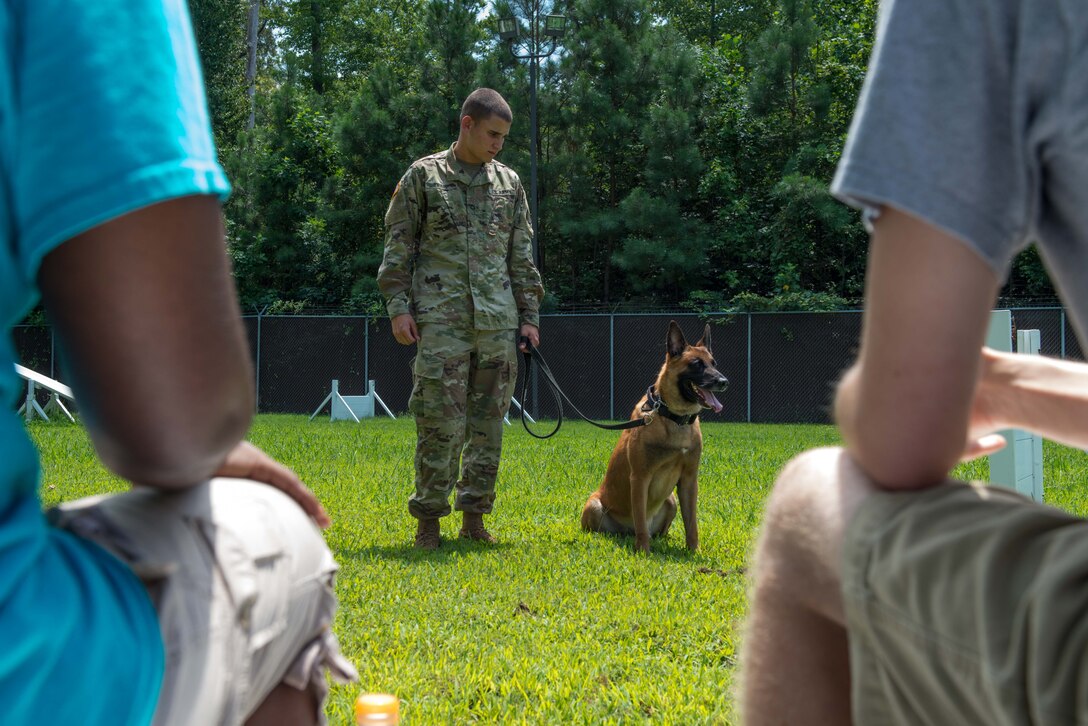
x=145, y=311
x=1040, y=394
x=905, y=407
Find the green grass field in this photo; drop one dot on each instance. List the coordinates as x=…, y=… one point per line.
x=552, y=626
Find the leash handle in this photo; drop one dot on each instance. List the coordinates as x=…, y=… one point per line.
x=527, y=354
x=532, y=353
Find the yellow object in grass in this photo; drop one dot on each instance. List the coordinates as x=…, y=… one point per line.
x=377, y=709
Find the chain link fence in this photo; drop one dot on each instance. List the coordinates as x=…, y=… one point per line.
x=782, y=367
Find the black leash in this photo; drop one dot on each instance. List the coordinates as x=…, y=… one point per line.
x=532, y=353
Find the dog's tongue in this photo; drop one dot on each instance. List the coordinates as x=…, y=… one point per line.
x=711, y=400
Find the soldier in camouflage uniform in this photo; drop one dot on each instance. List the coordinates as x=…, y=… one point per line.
x=459, y=280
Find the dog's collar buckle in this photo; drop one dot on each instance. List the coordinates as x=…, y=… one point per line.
x=655, y=404
x=651, y=407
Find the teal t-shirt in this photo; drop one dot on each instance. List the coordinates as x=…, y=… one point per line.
x=102, y=111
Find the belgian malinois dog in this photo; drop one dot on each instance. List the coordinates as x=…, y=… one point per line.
x=650, y=462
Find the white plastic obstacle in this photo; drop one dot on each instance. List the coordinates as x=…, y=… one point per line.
x=1019, y=465
x=351, y=408
x=514, y=401
x=56, y=391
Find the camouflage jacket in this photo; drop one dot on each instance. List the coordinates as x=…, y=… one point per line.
x=458, y=249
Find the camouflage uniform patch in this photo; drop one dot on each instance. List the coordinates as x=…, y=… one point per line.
x=463, y=383
x=458, y=258
x=458, y=247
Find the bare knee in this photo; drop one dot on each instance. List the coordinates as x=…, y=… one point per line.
x=800, y=546
x=800, y=489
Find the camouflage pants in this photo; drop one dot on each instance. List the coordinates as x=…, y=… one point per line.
x=463, y=383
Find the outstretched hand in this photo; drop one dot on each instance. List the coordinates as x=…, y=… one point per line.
x=246, y=461
x=982, y=436
x=982, y=446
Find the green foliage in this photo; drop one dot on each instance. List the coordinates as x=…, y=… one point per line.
x=1028, y=278
x=286, y=307
x=788, y=296
x=391, y=120
x=305, y=43
x=664, y=231
x=628, y=209
x=220, y=30
x=774, y=125
x=800, y=300
x=685, y=146
x=706, y=22
x=36, y=318
x=781, y=62
x=280, y=238
x=814, y=232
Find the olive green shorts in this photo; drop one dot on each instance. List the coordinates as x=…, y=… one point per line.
x=966, y=604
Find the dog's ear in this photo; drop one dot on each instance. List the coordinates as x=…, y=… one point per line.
x=675, y=343
x=705, y=340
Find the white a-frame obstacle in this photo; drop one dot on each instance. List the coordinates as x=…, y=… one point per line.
x=1019, y=465
x=57, y=391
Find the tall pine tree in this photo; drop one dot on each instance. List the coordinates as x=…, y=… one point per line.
x=664, y=249
x=627, y=158
x=400, y=112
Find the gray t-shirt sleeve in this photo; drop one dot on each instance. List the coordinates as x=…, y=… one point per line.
x=934, y=132
x=974, y=117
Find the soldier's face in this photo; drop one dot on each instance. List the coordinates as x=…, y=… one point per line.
x=481, y=140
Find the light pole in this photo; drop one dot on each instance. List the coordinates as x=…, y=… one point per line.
x=540, y=42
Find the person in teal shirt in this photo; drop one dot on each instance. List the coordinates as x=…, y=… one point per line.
x=203, y=595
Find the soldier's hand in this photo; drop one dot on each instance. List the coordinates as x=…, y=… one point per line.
x=532, y=333
x=404, y=329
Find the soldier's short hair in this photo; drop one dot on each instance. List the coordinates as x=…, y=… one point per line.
x=484, y=103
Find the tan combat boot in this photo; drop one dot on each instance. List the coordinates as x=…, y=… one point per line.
x=473, y=528
x=428, y=534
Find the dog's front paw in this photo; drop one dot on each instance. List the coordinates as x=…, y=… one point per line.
x=693, y=543
x=642, y=544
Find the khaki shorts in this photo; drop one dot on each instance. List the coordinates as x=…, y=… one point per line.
x=243, y=584
x=966, y=604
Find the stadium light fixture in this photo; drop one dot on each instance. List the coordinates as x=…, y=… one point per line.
x=508, y=28
x=555, y=25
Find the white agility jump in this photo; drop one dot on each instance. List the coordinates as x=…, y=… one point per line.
x=515, y=402
x=56, y=389
x=351, y=408
x=1019, y=465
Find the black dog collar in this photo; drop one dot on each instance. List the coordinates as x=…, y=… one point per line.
x=654, y=402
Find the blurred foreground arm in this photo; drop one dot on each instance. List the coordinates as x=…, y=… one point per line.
x=905, y=408
x=145, y=310
x=924, y=393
